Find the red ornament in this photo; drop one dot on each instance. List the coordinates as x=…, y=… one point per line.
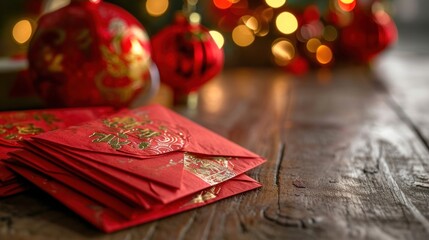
x=186, y=56
x=298, y=66
x=367, y=35
x=89, y=53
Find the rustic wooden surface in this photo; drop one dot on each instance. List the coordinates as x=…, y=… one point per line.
x=347, y=150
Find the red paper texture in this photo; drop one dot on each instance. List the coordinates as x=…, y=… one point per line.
x=17, y=126
x=136, y=166
x=108, y=220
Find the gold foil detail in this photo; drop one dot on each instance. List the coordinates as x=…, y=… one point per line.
x=47, y=117
x=14, y=129
x=133, y=64
x=124, y=126
x=54, y=61
x=29, y=129
x=114, y=141
x=205, y=196
x=210, y=170
x=147, y=133
x=84, y=39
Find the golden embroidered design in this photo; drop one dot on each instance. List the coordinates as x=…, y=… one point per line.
x=127, y=67
x=142, y=134
x=210, y=170
x=114, y=141
x=18, y=124
x=47, y=117
x=204, y=196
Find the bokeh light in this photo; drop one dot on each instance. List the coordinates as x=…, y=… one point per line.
x=315, y=29
x=156, y=7
x=347, y=5
x=218, y=38
x=194, y=18
x=21, y=31
x=324, y=54
x=330, y=33
x=313, y=44
x=275, y=3
x=251, y=22
x=283, y=51
x=242, y=36
x=222, y=4
x=267, y=14
x=286, y=23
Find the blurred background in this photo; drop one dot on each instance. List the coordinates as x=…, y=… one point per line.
x=296, y=36
x=245, y=28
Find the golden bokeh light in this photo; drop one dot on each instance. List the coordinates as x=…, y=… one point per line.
x=21, y=31
x=218, y=38
x=251, y=22
x=275, y=3
x=347, y=1
x=330, y=33
x=194, y=18
x=267, y=14
x=283, y=51
x=263, y=30
x=242, y=36
x=286, y=23
x=313, y=44
x=156, y=7
x=324, y=54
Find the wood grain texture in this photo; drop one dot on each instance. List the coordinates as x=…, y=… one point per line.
x=342, y=164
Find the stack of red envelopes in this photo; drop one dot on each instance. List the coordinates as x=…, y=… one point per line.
x=135, y=166
x=19, y=125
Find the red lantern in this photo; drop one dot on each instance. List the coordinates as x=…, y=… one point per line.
x=367, y=35
x=89, y=53
x=186, y=56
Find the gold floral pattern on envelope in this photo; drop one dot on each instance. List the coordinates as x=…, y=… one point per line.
x=211, y=170
x=139, y=132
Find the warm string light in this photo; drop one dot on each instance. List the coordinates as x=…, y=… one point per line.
x=275, y=3
x=324, y=54
x=22, y=31
x=286, y=23
x=283, y=51
x=223, y=4
x=242, y=36
x=308, y=29
x=308, y=36
x=218, y=38
x=346, y=5
x=156, y=8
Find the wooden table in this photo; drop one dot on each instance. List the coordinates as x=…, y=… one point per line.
x=347, y=158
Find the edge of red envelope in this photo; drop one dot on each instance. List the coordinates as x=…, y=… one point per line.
x=16, y=126
x=134, y=166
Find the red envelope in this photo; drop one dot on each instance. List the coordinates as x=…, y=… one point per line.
x=145, y=133
x=72, y=181
x=17, y=126
x=149, y=162
x=12, y=187
x=199, y=174
x=107, y=220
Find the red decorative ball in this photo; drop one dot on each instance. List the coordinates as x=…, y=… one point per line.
x=186, y=56
x=367, y=35
x=89, y=53
x=298, y=66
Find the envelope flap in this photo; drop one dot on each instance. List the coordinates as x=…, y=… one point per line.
x=18, y=125
x=206, y=142
x=128, y=133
